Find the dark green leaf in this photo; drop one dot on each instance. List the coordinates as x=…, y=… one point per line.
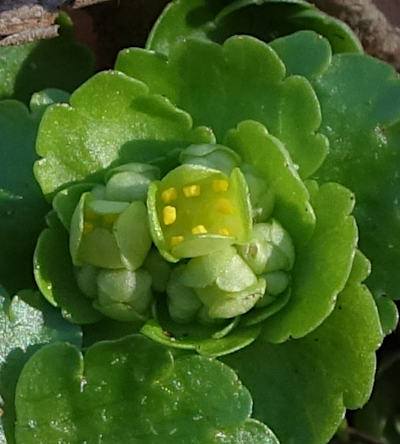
x=26, y=323
x=58, y=63
x=360, y=101
x=22, y=212
x=265, y=19
x=304, y=53
x=380, y=417
x=131, y=391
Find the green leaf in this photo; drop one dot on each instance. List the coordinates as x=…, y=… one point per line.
x=111, y=117
x=26, y=323
x=18, y=128
x=207, y=345
x=220, y=86
x=322, y=266
x=304, y=53
x=313, y=379
x=269, y=157
x=388, y=314
x=131, y=391
x=360, y=101
x=265, y=19
x=58, y=63
x=56, y=280
x=380, y=417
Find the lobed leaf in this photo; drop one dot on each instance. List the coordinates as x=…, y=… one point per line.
x=131, y=391
x=360, y=101
x=25, y=202
x=322, y=267
x=269, y=157
x=26, y=323
x=111, y=117
x=313, y=379
x=220, y=86
x=379, y=418
x=265, y=19
x=360, y=105
x=304, y=53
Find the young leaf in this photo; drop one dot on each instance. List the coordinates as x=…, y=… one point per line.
x=26, y=323
x=111, y=117
x=131, y=391
x=58, y=63
x=210, y=81
x=313, y=379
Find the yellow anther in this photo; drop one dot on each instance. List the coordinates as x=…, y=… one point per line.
x=87, y=227
x=169, y=195
x=224, y=231
x=224, y=206
x=90, y=214
x=220, y=185
x=175, y=240
x=191, y=191
x=169, y=215
x=110, y=218
x=199, y=229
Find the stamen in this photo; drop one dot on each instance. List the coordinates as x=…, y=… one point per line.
x=224, y=206
x=220, y=185
x=169, y=215
x=87, y=227
x=224, y=231
x=199, y=229
x=90, y=214
x=169, y=195
x=110, y=218
x=191, y=191
x=175, y=240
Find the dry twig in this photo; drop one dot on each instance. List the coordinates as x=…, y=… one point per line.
x=23, y=21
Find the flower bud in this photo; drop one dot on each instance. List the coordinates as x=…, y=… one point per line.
x=217, y=157
x=124, y=295
x=130, y=182
x=183, y=303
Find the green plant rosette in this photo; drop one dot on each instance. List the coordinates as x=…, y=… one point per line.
x=263, y=266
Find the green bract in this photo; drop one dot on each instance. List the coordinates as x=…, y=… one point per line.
x=202, y=197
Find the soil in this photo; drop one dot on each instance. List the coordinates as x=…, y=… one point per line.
x=391, y=9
